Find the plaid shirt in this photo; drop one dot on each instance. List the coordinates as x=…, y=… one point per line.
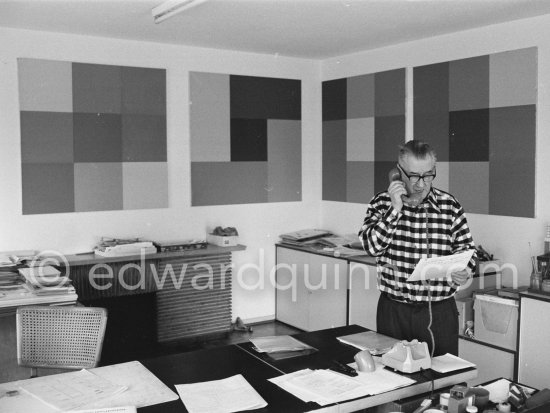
x=436, y=227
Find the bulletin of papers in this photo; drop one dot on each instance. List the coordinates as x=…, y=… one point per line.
x=228, y=395
x=327, y=387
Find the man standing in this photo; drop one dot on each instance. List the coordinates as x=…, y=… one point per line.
x=399, y=233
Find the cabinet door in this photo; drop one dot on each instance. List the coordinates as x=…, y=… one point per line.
x=326, y=282
x=311, y=291
x=363, y=295
x=292, y=298
x=491, y=363
x=534, y=338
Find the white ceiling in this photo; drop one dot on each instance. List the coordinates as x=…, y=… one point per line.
x=315, y=29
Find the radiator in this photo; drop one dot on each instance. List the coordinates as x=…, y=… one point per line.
x=195, y=297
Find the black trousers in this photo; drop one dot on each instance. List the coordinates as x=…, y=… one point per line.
x=410, y=321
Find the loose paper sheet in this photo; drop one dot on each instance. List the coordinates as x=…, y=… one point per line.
x=449, y=362
x=440, y=267
x=326, y=386
x=220, y=396
x=71, y=390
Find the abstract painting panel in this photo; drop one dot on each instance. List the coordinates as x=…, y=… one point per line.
x=480, y=115
x=246, y=139
x=89, y=132
x=363, y=126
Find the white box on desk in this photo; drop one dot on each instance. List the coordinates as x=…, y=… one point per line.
x=222, y=241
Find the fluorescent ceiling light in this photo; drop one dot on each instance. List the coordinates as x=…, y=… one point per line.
x=171, y=7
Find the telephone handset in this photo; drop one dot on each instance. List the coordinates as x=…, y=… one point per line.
x=413, y=199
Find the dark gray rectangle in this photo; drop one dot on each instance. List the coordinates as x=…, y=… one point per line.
x=389, y=134
x=96, y=88
x=46, y=137
x=512, y=161
x=334, y=161
x=97, y=137
x=47, y=188
x=143, y=138
x=227, y=183
x=143, y=90
x=431, y=88
x=255, y=97
x=389, y=93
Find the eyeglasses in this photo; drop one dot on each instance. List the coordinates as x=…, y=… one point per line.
x=413, y=179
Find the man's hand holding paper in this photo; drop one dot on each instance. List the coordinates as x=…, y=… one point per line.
x=453, y=266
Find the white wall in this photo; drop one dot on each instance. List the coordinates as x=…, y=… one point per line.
x=506, y=237
x=259, y=224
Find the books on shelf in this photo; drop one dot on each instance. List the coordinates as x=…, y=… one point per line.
x=35, y=285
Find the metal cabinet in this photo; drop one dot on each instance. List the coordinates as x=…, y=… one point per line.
x=311, y=290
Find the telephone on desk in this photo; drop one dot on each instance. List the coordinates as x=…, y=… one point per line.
x=413, y=199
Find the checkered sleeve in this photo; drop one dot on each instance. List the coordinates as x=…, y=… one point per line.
x=379, y=225
x=462, y=238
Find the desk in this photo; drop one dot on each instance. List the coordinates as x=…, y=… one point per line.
x=222, y=362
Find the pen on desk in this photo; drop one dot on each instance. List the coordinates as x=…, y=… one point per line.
x=344, y=368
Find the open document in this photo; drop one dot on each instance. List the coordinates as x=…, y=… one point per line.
x=220, y=396
x=71, y=390
x=440, y=267
x=327, y=387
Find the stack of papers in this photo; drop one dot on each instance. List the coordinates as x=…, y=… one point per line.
x=299, y=237
x=499, y=390
x=71, y=390
x=126, y=409
x=370, y=340
x=449, y=362
x=46, y=280
x=220, y=396
x=279, y=347
x=326, y=386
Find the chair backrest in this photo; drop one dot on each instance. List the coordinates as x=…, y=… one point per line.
x=60, y=337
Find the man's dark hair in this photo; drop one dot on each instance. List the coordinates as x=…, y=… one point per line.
x=417, y=149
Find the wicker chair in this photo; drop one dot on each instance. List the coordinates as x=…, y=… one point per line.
x=60, y=337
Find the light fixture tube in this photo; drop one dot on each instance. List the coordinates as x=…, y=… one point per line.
x=171, y=7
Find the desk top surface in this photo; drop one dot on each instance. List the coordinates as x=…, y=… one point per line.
x=222, y=362
x=91, y=258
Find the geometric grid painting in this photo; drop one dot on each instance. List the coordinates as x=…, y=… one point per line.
x=246, y=139
x=93, y=137
x=480, y=116
x=363, y=126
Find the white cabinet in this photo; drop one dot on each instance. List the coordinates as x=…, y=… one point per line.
x=492, y=363
x=534, y=338
x=363, y=295
x=311, y=290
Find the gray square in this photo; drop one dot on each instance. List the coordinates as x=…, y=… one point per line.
x=96, y=88
x=46, y=137
x=360, y=96
x=143, y=138
x=97, y=137
x=143, y=91
x=360, y=182
x=47, y=188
